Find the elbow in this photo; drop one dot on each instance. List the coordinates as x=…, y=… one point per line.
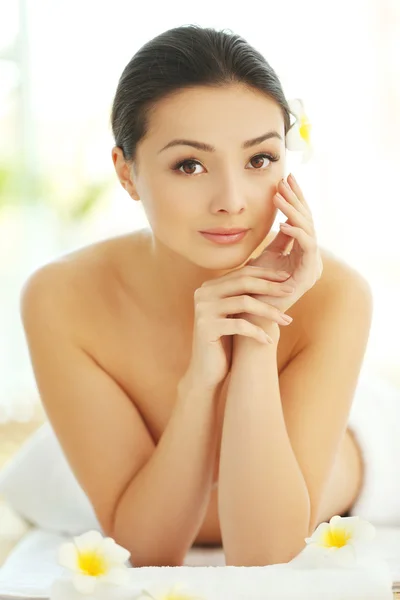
x=285, y=555
x=142, y=555
x=269, y=557
x=146, y=555
x=145, y=550
x=273, y=557
x=269, y=550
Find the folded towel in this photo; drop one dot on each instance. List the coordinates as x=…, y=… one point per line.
x=32, y=566
x=375, y=421
x=31, y=571
x=38, y=483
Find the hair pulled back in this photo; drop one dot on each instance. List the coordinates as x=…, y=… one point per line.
x=180, y=58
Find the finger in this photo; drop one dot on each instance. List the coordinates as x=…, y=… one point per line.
x=247, y=285
x=270, y=274
x=264, y=273
x=244, y=327
x=248, y=270
x=306, y=242
x=297, y=190
x=293, y=190
x=248, y=304
x=280, y=243
x=256, y=271
x=289, y=195
x=296, y=217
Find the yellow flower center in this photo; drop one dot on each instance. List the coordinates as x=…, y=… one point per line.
x=304, y=129
x=338, y=537
x=91, y=563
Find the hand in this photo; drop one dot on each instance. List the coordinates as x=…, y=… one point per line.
x=215, y=302
x=304, y=260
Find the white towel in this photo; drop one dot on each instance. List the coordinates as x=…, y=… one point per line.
x=39, y=484
x=31, y=570
x=375, y=422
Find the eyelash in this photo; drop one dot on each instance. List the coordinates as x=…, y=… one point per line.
x=271, y=157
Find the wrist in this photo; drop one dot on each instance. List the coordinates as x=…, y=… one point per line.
x=251, y=351
x=271, y=328
x=191, y=385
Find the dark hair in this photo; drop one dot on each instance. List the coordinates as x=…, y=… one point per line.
x=185, y=57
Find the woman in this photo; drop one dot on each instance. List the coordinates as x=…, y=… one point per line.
x=188, y=410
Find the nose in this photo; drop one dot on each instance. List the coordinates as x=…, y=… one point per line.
x=230, y=196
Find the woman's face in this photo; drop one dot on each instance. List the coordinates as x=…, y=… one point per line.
x=186, y=189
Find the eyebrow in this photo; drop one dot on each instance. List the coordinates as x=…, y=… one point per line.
x=209, y=148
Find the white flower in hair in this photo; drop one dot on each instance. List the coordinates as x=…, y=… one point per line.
x=298, y=136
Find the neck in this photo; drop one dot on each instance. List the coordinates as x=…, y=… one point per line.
x=169, y=279
x=174, y=278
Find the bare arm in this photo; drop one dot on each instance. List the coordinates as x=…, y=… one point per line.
x=263, y=502
x=162, y=509
x=152, y=500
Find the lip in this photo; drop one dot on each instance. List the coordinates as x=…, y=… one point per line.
x=219, y=238
x=222, y=231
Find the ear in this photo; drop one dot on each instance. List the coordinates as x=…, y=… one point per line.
x=125, y=172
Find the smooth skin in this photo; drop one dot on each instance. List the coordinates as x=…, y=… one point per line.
x=110, y=329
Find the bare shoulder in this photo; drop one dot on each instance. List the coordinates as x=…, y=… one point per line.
x=77, y=287
x=338, y=278
x=340, y=284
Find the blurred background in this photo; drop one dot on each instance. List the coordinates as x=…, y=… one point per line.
x=59, y=67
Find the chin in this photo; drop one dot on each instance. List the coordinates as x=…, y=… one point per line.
x=223, y=259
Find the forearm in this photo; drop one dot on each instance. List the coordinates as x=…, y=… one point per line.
x=163, y=508
x=264, y=506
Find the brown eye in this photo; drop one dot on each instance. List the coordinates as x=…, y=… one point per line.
x=189, y=164
x=258, y=161
x=188, y=171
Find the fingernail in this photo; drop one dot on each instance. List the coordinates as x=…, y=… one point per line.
x=268, y=338
x=287, y=318
x=283, y=274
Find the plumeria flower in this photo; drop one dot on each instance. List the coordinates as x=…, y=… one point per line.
x=336, y=543
x=172, y=594
x=94, y=559
x=298, y=136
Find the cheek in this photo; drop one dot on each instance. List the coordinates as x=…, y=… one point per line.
x=168, y=215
